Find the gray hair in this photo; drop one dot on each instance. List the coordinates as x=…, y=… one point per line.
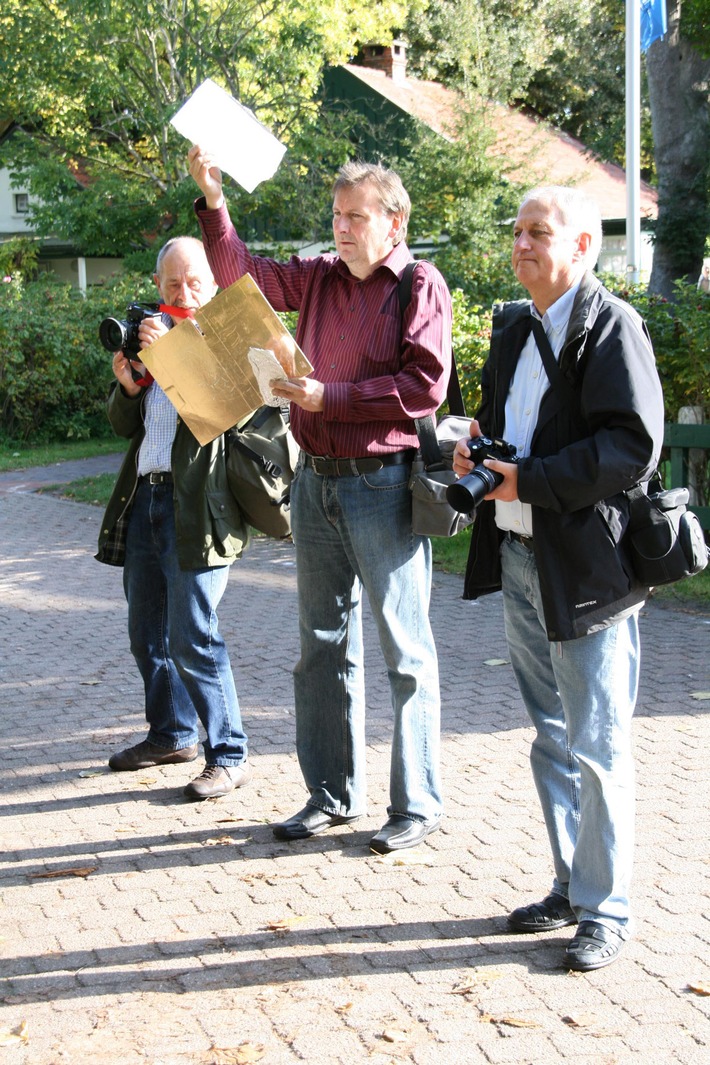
x=393, y=197
x=170, y=244
x=578, y=210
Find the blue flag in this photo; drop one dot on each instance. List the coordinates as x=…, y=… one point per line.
x=653, y=22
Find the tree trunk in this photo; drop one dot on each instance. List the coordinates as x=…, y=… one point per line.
x=679, y=93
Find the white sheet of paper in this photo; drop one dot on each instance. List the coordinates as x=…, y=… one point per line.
x=267, y=368
x=241, y=145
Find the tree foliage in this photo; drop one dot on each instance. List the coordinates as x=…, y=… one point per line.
x=92, y=88
x=679, y=84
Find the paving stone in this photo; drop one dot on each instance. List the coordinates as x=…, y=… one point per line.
x=170, y=941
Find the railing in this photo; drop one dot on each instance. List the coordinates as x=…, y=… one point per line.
x=680, y=440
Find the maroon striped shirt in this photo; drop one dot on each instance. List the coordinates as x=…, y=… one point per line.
x=380, y=371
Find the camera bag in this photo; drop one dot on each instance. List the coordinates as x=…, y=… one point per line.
x=666, y=539
x=261, y=458
x=432, y=468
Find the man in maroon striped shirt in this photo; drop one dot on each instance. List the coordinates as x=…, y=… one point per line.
x=353, y=418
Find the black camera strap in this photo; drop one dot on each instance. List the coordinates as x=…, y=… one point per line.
x=426, y=427
x=552, y=368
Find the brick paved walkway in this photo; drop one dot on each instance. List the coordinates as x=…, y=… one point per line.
x=138, y=927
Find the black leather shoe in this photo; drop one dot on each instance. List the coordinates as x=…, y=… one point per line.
x=594, y=946
x=553, y=912
x=146, y=754
x=401, y=832
x=309, y=822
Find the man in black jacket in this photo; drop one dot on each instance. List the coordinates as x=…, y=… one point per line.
x=551, y=534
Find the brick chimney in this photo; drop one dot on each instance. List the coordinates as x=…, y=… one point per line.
x=391, y=58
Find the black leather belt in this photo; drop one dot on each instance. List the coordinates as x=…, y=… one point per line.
x=355, y=467
x=162, y=477
x=526, y=541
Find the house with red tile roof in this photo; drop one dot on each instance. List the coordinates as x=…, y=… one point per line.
x=533, y=152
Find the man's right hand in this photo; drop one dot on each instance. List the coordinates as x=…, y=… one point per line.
x=122, y=372
x=206, y=175
x=462, y=456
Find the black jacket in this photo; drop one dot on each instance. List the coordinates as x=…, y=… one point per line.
x=583, y=458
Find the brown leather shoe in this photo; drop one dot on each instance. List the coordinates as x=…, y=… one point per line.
x=146, y=754
x=216, y=780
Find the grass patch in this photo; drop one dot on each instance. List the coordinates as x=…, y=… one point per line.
x=93, y=490
x=451, y=553
x=694, y=591
x=23, y=456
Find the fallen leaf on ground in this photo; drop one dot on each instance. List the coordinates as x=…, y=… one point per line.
x=580, y=1020
x=480, y=976
x=89, y=683
x=699, y=989
x=225, y=820
x=216, y=841
x=700, y=695
x=147, y=780
x=241, y=1055
x=91, y=772
x=82, y=871
x=496, y=662
x=345, y=1008
x=512, y=1022
x=10, y=1037
x=285, y=924
x=391, y=1035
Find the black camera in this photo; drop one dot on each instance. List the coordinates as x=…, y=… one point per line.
x=465, y=494
x=122, y=334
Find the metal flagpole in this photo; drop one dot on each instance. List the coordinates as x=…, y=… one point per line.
x=633, y=140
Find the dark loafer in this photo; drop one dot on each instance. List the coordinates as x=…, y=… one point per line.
x=553, y=912
x=309, y=822
x=401, y=832
x=594, y=946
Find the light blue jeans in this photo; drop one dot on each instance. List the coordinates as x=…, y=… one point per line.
x=353, y=533
x=172, y=625
x=580, y=695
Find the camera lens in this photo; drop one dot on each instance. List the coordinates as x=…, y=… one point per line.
x=465, y=494
x=112, y=334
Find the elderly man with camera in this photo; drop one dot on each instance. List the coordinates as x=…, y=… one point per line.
x=174, y=527
x=571, y=387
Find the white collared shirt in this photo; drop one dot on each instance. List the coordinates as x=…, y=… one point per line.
x=522, y=407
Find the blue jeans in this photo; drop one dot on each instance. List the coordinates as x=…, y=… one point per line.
x=353, y=533
x=172, y=625
x=580, y=695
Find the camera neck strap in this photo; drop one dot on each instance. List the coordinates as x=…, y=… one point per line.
x=426, y=427
x=552, y=368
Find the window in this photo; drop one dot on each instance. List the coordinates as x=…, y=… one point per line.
x=22, y=203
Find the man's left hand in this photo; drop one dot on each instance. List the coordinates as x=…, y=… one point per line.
x=303, y=391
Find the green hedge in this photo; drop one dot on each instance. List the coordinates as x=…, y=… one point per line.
x=54, y=373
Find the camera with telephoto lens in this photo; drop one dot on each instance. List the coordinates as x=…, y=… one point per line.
x=465, y=494
x=122, y=334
